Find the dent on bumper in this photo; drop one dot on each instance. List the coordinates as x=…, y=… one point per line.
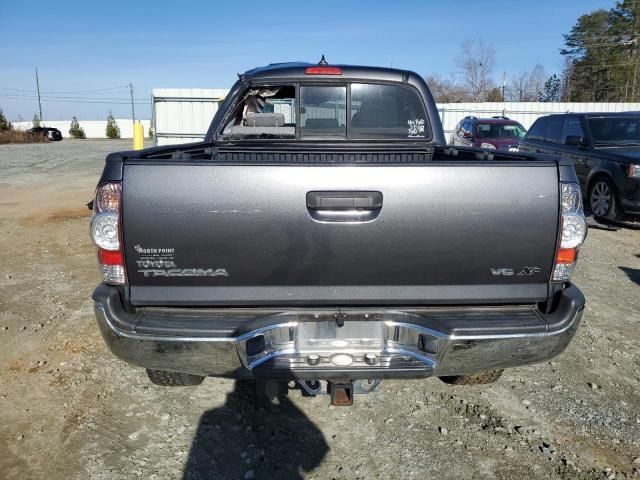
x=372, y=343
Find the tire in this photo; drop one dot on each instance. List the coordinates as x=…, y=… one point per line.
x=480, y=378
x=173, y=379
x=603, y=201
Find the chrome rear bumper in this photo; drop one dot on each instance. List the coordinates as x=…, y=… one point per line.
x=332, y=344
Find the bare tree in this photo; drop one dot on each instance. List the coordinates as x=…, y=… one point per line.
x=518, y=87
x=525, y=86
x=447, y=90
x=476, y=60
x=565, y=82
x=536, y=82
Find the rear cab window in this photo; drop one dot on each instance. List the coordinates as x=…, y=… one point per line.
x=357, y=111
x=264, y=112
x=387, y=112
x=323, y=111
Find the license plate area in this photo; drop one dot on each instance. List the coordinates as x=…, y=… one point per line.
x=326, y=337
x=358, y=342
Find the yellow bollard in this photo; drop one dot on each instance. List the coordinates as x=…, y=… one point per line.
x=138, y=136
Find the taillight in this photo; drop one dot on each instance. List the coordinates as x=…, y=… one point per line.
x=573, y=232
x=106, y=232
x=323, y=71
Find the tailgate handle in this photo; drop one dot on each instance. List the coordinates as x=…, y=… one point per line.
x=349, y=200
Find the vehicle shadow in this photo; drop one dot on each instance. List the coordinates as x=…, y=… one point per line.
x=630, y=222
x=251, y=437
x=632, y=273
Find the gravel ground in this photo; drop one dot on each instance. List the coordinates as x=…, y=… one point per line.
x=71, y=410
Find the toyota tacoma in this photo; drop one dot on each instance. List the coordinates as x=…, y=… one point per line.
x=323, y=235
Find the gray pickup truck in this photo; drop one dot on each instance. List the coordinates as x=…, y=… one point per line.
x=324, y=236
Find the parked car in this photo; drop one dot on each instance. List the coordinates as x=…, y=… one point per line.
x=51, y=133
x=495, y=133
x=605, y=150
x=324, y=233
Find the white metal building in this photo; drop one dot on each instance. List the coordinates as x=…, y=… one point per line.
x=182, y=115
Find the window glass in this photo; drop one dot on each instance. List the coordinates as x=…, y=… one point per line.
x=500, y=130
x=572, y=128
x=554, y=128
x=265, y=112
x=537, y=129
x=615, y=130
x=387, y=111
x=285, y=106
x=323, y=111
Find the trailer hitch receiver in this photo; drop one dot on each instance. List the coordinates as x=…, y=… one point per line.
x=341, y=393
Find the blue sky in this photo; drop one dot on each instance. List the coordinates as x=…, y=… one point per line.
x=88, y=45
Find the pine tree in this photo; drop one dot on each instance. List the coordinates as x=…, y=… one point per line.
x=602, y=55
x=75, y=130
x=36, y=120
x=113, y=131
x=551, y=90
x=5, y=125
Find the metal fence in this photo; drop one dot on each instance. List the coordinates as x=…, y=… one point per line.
x=183, y=114
x=524, y=112
x=92, y=128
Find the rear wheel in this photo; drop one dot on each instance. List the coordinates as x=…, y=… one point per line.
x=602, y=199
x=173, y=379
x=480, y=378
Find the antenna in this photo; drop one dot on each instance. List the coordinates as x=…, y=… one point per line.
x=323, y=61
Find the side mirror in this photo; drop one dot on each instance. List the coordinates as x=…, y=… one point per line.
x=575, y=141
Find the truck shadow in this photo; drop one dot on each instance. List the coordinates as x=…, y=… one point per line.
x=632, y=273
x=251, y=437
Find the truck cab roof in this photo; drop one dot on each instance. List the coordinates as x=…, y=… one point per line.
x=298, y=70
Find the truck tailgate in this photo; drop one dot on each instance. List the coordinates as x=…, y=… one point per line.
x=220, y=234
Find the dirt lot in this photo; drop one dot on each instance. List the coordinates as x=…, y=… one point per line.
x=70, y=410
